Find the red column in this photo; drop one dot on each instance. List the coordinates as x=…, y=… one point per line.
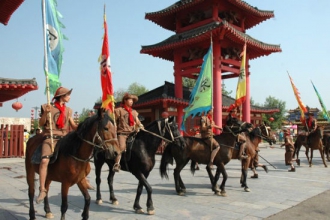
x=217, y=84
x=178, y=85
x=246, y=104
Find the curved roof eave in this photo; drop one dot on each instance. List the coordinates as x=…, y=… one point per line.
x=159, y=17
x=201, y=33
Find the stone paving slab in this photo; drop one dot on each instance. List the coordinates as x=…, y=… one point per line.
x=271, y=194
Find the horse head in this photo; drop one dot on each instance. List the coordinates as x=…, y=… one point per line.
x=265, y=133
x=171, y=132
x=105, y=137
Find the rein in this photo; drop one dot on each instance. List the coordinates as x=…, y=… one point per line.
x=101, y=146
x=161, y=137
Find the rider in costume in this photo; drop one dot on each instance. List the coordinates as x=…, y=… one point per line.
x=127, y=122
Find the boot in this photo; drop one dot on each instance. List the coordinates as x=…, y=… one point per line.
x=116, y=166
x=265, y=168
x=292, y=169
x=213, y=154
x=42, y=195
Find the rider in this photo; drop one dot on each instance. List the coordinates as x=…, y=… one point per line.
x=289, y=150
x=310, y=125
x=61, y=121
x=207, y=129
x=127, y=122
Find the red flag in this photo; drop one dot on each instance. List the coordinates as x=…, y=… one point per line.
x=106, y=78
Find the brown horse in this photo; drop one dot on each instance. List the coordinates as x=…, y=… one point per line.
x=197, y=151
x=315, y=139
x=72, y=163
x=326, y=144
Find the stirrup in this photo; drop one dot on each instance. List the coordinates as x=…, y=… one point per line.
x=116, y=167
x=41, y=197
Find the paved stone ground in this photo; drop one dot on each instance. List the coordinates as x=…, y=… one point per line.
x=275, y=195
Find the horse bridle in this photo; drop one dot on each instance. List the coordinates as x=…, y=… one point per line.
x=167, y=127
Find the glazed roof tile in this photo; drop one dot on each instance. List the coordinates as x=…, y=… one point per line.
x=14, y=88
x=164, y=49
x=166, y=17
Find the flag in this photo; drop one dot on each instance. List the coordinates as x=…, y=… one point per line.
x=302, y=107
x=201, y=95
x=106, y=78
x=324, y=109
x=54, y=45
x=241, y=85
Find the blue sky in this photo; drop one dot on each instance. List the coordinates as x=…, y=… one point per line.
x=300, y=27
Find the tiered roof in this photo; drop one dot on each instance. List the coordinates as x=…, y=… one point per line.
x=164, y=49
x=7, y=8
x=166, y=17
x=14, y=88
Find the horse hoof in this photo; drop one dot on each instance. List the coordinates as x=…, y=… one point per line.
x=217, y=193
x=246, y=189
x=224, y=194
x=151, y=212
x=99, y=201
x=114, y=202
x=181, y=193
x=49, y=215
x=139, y=211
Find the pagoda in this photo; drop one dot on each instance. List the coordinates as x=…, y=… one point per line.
x=195, y=24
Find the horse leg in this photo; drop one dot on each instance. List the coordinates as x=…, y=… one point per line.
x=322, y=156
x=83, y=189
x=179, y=186
x=30, y=181
x=225, y=177
x=111, y=176
x=214, y=185
x=64, y=194
x=245, y=166
x=49, y=214
x=150, y=207
x=98, y=163
x=306, y=152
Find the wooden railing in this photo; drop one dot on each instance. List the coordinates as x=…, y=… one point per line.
x=11, y=141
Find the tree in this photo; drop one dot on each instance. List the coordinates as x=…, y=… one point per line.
x=272, y=102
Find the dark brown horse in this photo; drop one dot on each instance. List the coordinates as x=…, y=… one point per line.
x=72, y=163
x=326, y=144
x=141, y=160
x=197, y=151
x=315, y=139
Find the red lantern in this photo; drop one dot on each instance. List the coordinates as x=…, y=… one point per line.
x=17, y=106
x=271, y=119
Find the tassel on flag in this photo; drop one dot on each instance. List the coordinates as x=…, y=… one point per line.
x=241, y=85
x=106, y=77
x=302, y=107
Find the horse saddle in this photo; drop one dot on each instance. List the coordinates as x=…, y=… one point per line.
x=36, y=157
x=129, y=145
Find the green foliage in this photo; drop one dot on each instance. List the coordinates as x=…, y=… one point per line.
x=85, y=113
x=272, y=102
x=134, y=88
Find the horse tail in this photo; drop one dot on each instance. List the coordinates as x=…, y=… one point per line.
x=192, y=167
x=167, y=158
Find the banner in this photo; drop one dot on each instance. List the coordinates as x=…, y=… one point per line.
x=302, y=107
x=201, y=95
x=241, y=85
x=54, y=45
x=106, y=78
x=324, y=109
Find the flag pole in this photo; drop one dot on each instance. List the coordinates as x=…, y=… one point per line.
x=46, y=71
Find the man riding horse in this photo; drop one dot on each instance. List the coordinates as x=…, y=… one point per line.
x=310, y=125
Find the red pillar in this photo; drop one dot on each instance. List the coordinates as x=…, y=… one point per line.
x=217, y=84
x=246, y=104
x=178, y=85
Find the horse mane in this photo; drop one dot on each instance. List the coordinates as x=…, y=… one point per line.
x=70, y=143
x=256, y=132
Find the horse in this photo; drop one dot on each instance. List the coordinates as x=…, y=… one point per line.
x=315, y=144
x=141, y=160
x=72, y=163
x=326, y=144
x=198, y=152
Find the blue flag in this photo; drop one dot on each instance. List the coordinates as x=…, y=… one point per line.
x=201, y=95
x=324, y=109
x=54, y=45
